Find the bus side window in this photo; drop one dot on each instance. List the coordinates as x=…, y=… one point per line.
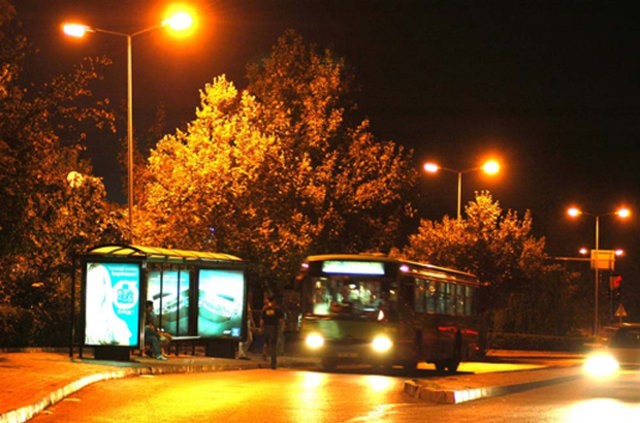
x=471, y=300
x=468, y=300
x=450, y=300
x=440, y=298
x=419, y=295
x=430, y=292
x=460, y=300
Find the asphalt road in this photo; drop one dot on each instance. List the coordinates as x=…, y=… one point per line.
x=287, y=395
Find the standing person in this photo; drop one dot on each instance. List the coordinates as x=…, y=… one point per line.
x=152, y=332
x=243, y=347
x=271, y=319
x=281, y=327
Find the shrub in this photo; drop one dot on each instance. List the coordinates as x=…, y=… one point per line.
x=16, y=326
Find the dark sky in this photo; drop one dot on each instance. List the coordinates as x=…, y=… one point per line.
x=552, y=87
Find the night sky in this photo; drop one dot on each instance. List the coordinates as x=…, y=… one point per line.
x=551, y=87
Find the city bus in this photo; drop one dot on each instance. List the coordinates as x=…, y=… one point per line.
x=381, y=311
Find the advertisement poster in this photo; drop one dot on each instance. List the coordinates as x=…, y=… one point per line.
x=220, y=303
x=170, y=298
x=112, y=304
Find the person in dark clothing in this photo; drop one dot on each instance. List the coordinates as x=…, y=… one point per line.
x=271, y=322
x=152, y=332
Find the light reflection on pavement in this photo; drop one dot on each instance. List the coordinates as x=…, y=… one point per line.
x=477, y=367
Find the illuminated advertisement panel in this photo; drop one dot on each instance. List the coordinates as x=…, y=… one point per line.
x=112, y=304
x=170, y=298
x=220, y=303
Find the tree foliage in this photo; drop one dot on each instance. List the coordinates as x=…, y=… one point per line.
x=358, y=189
x=276, y=172
x=524, y=291
x=52, y=206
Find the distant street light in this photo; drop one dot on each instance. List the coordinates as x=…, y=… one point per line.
x=490, y=167
x=179, y=20
x=622, y=213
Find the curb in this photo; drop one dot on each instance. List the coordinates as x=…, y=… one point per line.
x=452, y=396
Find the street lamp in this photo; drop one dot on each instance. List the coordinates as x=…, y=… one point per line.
x=490, y=167
x=179, y=20
x=575, y=212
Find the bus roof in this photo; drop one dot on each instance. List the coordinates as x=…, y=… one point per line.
x=417, y=266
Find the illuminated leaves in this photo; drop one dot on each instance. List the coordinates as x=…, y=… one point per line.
x=278, y=170
x=209, y=170
x=524, y=291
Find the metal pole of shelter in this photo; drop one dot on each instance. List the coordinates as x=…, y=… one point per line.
x=130, y=134
x=73, y=302
x=459, y=195
x=596, y=270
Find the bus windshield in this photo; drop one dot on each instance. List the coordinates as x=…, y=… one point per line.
x=346, y=297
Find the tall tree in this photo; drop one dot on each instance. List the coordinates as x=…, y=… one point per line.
x=220, y=186
x=362, y=187
x=275, y=176
x=523, y=291
x=52, y=206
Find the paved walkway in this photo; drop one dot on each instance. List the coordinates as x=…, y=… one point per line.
x=35, y=379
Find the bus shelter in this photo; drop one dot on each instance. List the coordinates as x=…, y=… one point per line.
x=196, y=295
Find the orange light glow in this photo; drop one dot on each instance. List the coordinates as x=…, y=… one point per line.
x=623, y=212
x=491, y=167
x=75, y=30
x=181, y=20
x=379, y=383
x=574, y=212
x=431, y=167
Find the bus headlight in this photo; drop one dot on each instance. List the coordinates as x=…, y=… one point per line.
x=381, y=343
x=314, y=341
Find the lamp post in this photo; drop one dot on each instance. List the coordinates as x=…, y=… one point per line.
x=490, y=167
x=575, y=212
x=178, y=21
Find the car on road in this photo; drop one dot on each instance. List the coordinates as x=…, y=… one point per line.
x=621, y=350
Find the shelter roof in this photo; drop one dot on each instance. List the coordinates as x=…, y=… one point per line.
x=157, y=254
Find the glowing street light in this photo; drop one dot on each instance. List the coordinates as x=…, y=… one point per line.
x=490, y=167
x=575, y=212
x=179, y=20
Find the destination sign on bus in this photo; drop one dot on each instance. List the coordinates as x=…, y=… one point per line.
x=353, y=267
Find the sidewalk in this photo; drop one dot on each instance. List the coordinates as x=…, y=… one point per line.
x=35, y=379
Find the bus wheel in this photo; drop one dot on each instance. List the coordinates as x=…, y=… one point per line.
x=328, y=364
